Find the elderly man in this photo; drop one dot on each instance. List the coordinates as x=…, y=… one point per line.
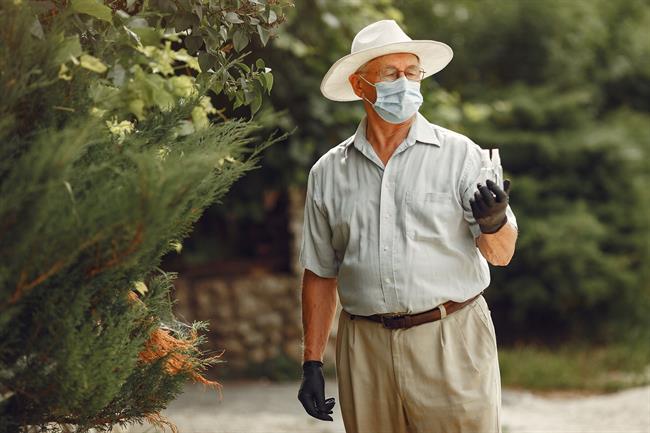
x=400, y=220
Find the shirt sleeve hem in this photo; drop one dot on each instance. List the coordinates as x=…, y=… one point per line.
x=475, y=229
x=321, y=271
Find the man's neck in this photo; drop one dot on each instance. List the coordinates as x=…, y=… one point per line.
x=384, y=136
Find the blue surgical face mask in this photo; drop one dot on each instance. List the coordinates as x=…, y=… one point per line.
x=396, y=100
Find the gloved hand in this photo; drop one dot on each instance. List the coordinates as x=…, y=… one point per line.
x=490, y=211
x=312, y=391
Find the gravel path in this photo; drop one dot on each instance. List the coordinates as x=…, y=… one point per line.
x=270, y=407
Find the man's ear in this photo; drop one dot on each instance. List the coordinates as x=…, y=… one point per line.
x=355, y=82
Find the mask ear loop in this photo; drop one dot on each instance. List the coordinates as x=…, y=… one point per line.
x=367, y=81
x=364, y=97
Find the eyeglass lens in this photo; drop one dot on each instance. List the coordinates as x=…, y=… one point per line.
x=413, y=73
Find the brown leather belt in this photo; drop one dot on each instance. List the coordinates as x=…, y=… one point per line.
x=394, y=321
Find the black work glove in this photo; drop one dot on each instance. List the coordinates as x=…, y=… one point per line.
x=312, y=391
x=490, y=211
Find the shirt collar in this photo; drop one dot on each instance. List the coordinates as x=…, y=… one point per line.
x=420, y=131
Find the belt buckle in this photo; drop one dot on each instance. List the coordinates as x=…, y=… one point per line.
x=391, y=317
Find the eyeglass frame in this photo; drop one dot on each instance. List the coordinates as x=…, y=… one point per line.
x=382, y=77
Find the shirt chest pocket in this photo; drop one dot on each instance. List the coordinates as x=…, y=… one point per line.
x=342, y=221
x=429, y=214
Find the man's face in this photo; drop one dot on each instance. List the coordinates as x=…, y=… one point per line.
x=372, y=71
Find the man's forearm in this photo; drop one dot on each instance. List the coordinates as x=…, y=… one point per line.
x=318, y=311
x=498, y=248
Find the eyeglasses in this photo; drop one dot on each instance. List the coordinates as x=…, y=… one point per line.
x=390, y=73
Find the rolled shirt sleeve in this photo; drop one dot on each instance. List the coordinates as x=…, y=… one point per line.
x=471, y=172
x=316, y=251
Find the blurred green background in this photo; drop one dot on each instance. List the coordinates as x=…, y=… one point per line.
x=562, y=88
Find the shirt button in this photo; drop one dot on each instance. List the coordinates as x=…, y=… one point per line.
x=385, y=248
x=387, y=280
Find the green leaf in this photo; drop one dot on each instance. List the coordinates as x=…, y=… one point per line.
x=256, y=103
x=249, y=95
x=183, y=21
x=141, y=287
x=117, y=74
x=260, y=64
x=167, y=6
x=193, y=43
x=163, y=99
x=206, y=61
x=101, y=93
x=262, y=80
x=136, y=107
x=240, y=39
x=36, y=29
x=223, y=33
x=93, y=8
x=69, y=47
x=264, y=34
x=273, y=17
x=232, y=17
x=147, y=35
x=217, y=87
x=133, y=35
x=269, y=80
x=239, y=100
x=92, y=63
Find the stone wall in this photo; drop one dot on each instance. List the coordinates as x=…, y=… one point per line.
x=256, y=318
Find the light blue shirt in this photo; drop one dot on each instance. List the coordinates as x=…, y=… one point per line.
x=400, y=237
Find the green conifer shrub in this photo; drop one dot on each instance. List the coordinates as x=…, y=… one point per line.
x=108, y=156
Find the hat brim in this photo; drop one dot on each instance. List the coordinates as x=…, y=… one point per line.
x=433, y=55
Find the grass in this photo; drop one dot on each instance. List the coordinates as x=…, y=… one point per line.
x=573, y=368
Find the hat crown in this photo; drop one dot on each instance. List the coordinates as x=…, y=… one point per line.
x=377, y=34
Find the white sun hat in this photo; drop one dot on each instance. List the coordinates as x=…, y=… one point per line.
x=377, y=39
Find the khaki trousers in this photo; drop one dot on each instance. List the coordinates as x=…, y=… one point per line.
x=437, y=377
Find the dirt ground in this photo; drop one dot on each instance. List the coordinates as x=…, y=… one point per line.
x=271, y=407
